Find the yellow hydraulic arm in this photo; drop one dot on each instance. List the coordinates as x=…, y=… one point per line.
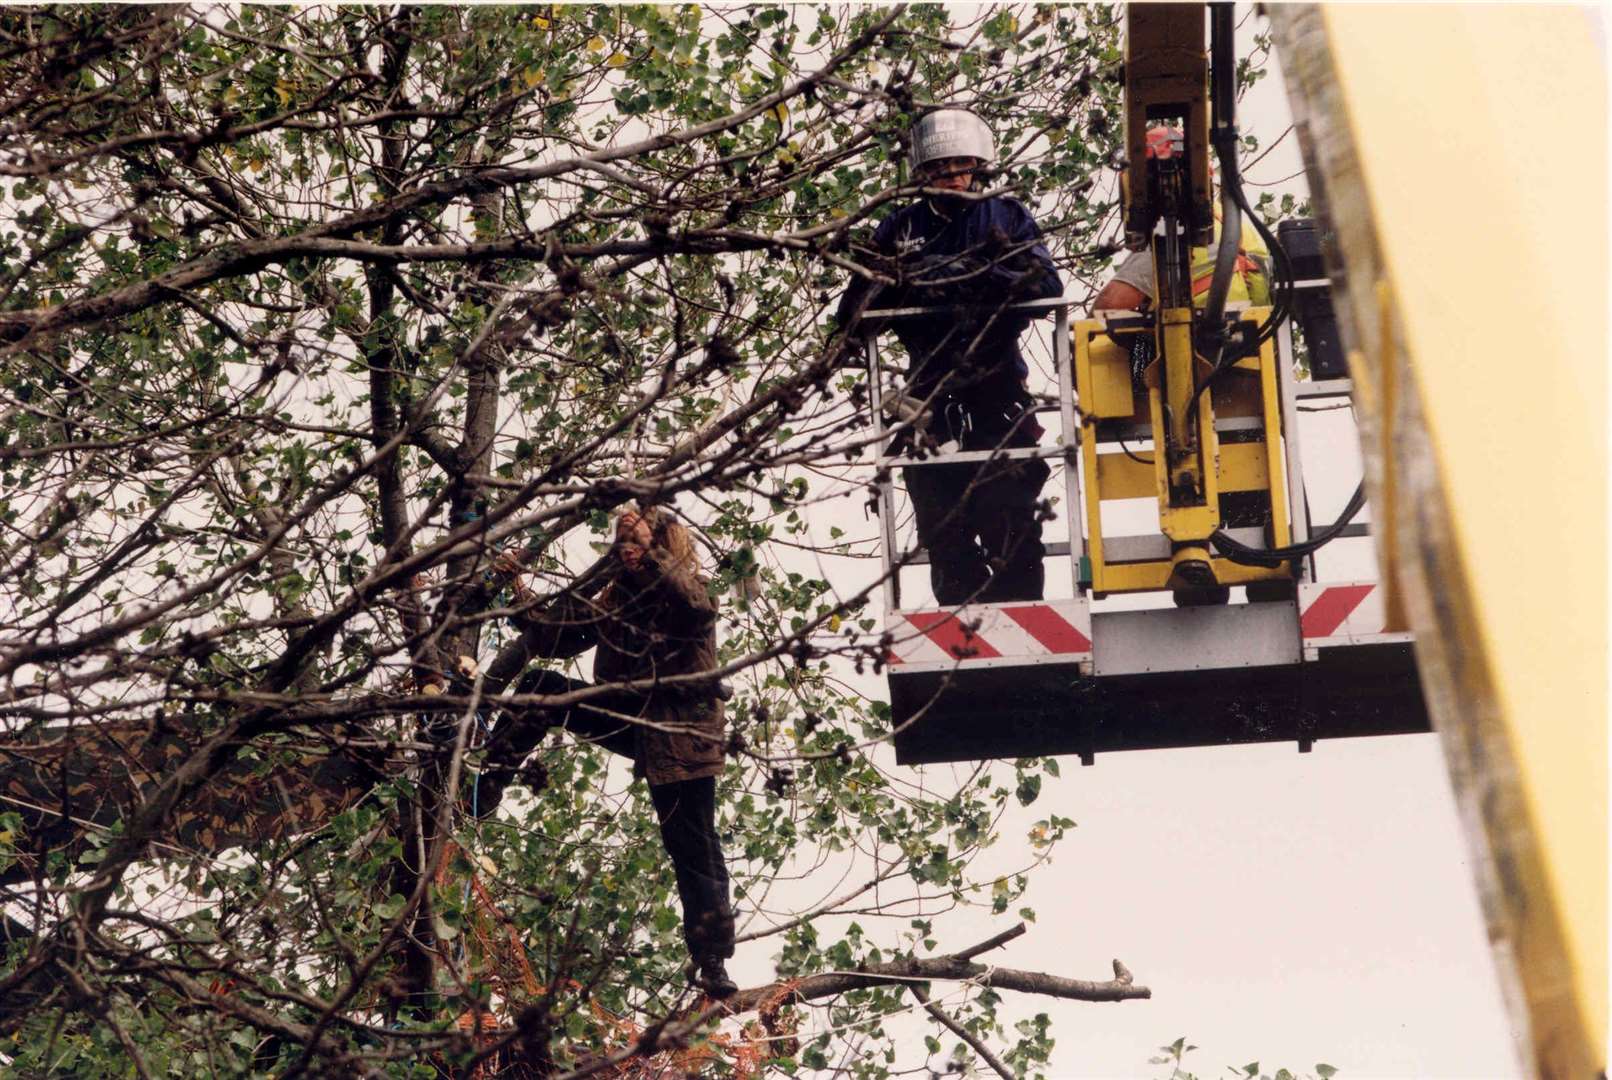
x=1166, y=78
x=1168, y=210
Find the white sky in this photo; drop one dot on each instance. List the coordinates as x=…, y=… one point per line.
x=1285, y=908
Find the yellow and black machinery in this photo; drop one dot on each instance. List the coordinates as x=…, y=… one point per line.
x=1171, y=375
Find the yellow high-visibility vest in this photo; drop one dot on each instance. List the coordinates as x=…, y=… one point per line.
x=1249, y=282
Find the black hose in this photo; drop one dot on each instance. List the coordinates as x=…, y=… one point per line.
x=1134, y=457
x=1224, y=103
x=1222, y=42
x=1282, y=271
x=1239, y=552
x=1281, y=278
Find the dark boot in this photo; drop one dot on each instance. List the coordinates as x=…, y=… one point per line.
x=1272, y=592
x=713, y=978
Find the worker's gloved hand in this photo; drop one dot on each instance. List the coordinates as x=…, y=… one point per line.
x=943, y=279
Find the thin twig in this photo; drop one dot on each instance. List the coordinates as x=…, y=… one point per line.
x=917, y=991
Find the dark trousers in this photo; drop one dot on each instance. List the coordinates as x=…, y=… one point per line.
x=519, y=733
x=686, y=809
x=687, y=812
x=980, y=522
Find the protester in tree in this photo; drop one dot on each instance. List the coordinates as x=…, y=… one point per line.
x=972, y=255
x=654, y=621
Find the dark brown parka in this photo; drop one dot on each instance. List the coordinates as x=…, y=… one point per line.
x=649, y=624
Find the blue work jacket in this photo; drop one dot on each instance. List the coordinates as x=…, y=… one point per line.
x=971, y=257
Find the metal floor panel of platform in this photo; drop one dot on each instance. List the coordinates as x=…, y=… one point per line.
x=1051, y=709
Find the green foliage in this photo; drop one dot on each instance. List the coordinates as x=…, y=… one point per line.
x=1173, y=1054
x=1274, y=209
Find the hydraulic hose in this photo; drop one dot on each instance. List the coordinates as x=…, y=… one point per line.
x=1223, y=101
x=1233, y=205
x=1281, y=276
x=1239, y=552
x=1281, y=270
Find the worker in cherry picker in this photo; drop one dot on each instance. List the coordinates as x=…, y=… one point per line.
x=1132, y=286
x=973, y=255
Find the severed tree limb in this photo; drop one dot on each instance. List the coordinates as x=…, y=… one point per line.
x=671, y=1033
x=958, y=966
x=946, y=1020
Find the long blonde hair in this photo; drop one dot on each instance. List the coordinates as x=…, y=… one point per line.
x=674, y=536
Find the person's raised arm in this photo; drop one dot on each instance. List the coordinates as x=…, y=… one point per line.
x=1025, y=271
x=561, y=629
x=862, y=294
x=1120, y=295
x=1009, y=264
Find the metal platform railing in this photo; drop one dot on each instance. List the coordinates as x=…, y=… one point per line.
x=1064, y=448
x=1067, y=442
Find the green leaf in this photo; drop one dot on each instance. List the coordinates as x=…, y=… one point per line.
x=1029, y=788
x=390, y=908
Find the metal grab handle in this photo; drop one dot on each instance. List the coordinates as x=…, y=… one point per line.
x=1030, y=306
x=884, y=406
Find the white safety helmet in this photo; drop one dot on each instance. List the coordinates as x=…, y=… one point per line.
x=950, y=133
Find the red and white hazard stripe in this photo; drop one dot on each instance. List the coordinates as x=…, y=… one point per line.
x=1054, y=629
x=1341, y=613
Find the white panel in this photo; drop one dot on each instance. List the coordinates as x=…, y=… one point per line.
x=1195, y=639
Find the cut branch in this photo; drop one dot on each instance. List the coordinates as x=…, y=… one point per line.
x=957, y=967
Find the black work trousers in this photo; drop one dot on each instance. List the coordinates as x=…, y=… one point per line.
x=687, y=813
x=518, y=734
x=980, y=521
x=686, y=809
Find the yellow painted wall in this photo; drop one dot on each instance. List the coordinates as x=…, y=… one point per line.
x=1482, y=136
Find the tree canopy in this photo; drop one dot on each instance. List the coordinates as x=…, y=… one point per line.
x=307, y=313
